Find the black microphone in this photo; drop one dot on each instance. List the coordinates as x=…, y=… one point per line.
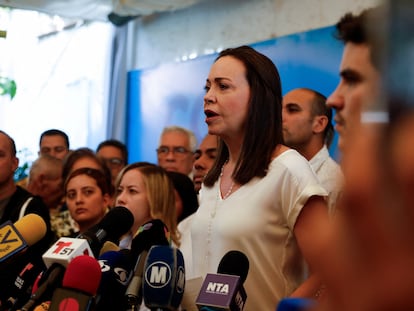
x=117, y=222
x=116, y=268
x=79, y=286
x=154, y=232
x=49, y=281
x=224, y=290
x=22, y=286
x=164, y=278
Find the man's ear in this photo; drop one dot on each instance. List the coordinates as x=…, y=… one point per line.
x=319, y=124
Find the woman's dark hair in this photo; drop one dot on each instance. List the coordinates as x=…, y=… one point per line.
x=263, y=130
x=185, y=188
x=81, y=153
x=98, y=175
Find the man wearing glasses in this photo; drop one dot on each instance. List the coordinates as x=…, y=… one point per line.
x=176, y=150
x=115, y=155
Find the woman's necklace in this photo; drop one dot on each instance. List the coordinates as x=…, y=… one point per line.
x=231, y=185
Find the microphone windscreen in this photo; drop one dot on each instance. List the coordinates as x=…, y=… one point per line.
x=44, y=306
x=116, y=269
x=83, y=273
x=164, y=278
x=32, y=228
x=154, y=232
x=234, y=263
x=295, y=304
x=108, y=246
x=117, y=222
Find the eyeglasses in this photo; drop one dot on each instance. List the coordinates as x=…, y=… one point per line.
x=163, y=151
x=113, y=162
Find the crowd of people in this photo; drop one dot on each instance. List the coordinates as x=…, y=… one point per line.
x=261, y=182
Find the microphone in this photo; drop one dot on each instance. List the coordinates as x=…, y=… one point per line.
x=164, y=278
x=16, y=238
x=224, y=290
x=116, y=269
x=15, y=246
x=22, y=286
x=50, y=279
x=44, y=306
x=295, y=304
x=154, y=232
x=64, y=250
x=112, y=227
x=78, y=291
x=108, y=246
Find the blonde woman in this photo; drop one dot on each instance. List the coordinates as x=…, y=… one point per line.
x=147, y=191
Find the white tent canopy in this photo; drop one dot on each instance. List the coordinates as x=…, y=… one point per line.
x=98, y=10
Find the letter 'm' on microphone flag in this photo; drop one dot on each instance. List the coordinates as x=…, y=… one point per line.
x=15, y=238
x=154, y=232
x=164, y=278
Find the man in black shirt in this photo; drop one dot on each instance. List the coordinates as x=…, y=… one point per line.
x=15, y=202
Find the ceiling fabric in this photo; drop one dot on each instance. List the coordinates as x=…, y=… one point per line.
x=98, y=10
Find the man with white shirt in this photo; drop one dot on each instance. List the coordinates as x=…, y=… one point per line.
x=307, y=127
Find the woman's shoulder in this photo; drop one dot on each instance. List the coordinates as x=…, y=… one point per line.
x=283, y=153
x=289, y=159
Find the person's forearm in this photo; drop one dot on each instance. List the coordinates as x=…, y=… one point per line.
x=310, y=288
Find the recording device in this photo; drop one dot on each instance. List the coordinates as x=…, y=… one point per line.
x=50, y=280
x=295, y=304
x=22, y=286
x=64, y=250
x=16, y=238
x=108, y=246
x=154, y=232
x=164, y=278
x=224, y=290
x=116, y=268
x=112, y=227
x=79, y=286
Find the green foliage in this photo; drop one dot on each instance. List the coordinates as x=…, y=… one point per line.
x=23, y=170
x=7, y=87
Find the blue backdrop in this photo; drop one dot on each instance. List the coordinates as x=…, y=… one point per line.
x=172, y=94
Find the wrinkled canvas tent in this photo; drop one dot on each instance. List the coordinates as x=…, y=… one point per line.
x=98, y=10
